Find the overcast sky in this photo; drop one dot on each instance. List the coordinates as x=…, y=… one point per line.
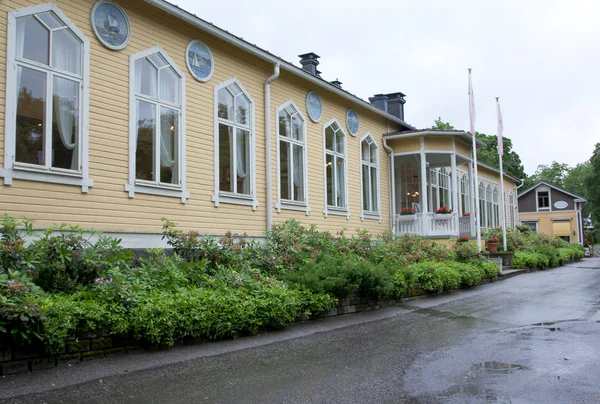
x=542, y=58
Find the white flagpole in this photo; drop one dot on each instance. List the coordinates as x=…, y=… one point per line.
x=475, y=171
x=500, y=154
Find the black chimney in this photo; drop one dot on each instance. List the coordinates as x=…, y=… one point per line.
x=392, y=103
x=337, y=83
x=309, y=63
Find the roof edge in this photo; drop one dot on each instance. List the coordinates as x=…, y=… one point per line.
x=581, y=198
x=265, y=55
x=433, y=132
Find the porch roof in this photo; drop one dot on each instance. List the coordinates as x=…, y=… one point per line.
x=460, y=134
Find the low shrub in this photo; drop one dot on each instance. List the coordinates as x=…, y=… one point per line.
x=341, y=277
x=466, y=252
x=471, y=274
x=490, y=269
x=434, y=277
x=524, y=260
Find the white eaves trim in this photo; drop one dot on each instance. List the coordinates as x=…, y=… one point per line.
x=233, y=40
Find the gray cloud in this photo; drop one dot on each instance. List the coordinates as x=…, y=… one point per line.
x=540, y=57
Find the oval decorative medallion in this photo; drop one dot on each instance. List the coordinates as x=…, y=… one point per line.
x=314, y=106
x=199, y=60
x=111, y=25
x=352, y=121
x=560, y=204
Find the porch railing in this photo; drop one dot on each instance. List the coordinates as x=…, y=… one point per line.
x=464, y=226
x=433, y=225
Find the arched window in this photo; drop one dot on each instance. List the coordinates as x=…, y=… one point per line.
x=234, y=144
x=47, y=98
x=336, y=187
x=489, y=207
x=369, y=158
x=464, y=194
x=291, y=150
x=482, y=214
x=157, y=134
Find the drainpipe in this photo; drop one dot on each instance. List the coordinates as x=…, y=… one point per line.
x=392, y=184
x=268, y=144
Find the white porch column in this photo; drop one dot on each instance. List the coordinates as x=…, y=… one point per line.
x=424, y=204
x=455, y=190
x=473, y=206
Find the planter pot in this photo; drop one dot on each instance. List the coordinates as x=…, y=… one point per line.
x=492, y=248
x=407, y=218
x=443, y=216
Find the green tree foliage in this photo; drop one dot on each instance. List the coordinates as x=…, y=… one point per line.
x=511, y=161
x=592, y=185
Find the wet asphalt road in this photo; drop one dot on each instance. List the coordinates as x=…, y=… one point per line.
x=534, y=338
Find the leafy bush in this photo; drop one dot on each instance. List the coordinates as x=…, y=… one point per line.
x=470, y=274
x=466, y=252
x=490, y=269
x=341, y=277
x=13, y=253
x=434, y=277
x=530, y=260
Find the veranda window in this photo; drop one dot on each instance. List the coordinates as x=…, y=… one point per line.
x=511, y=203
x=370, y=176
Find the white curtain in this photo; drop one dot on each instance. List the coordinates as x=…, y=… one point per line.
x=168, y=142
x=169, y=85
x=145, y=78
x=242, y=146
x=299, y=172
x=66, y=113
x=66, y=51
x=21, y=23
x=341, y=183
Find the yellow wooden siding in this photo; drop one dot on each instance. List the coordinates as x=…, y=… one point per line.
x=438, y=143
x=546, y=226
x=107, y=206
x=405, y=145
x=463, y=149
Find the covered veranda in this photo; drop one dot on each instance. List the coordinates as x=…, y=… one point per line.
x=432, y=170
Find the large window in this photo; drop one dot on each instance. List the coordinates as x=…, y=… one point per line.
x=464, y=194
x=369, y=157
x=46, y=98
x=496, y=208
x=291, y=134
x=335, y=168
x=157, y=133
x=234, y=145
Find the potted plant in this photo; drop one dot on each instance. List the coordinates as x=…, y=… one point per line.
x=492, y=244
x=408, y=214
x=462, y=239
x=443, y=213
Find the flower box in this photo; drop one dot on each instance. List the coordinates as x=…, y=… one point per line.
x=407, y=218
x=443, y=216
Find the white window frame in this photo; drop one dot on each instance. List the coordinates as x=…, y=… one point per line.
x=334, y=210
x=369, y=214
x=528, y=222
x=14, y=170
x=511, y=204
x=537, y=201
x=496, y=207
x=463, y=193
x=229, y=197
x=149, y=187
x=286, y=203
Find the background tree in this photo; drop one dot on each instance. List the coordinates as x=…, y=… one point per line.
x=592, y=186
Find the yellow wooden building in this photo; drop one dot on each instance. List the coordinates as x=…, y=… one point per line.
x=116, y=114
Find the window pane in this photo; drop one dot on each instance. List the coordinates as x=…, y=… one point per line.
x=32, y=40
x=243, y=161
x=374, y=154
x=284, y=169
x=329, y=138
x=234, y=88
x=298, y=173
x=50, y=20
x=169, y=85
x=169, y=146
x=242, y=115
x=339, y=137
x=65, y=127
x=225, y=152
x=341, y=183
x=225, y=108
x=366, y=188
x=297, y=125
x=374, y=190
x=66, y=51
x=284, y=123
x=365, y=151
x=31, y=104
x=144, y=152
x=158, y=60
x=145, y=78
x=330, y=181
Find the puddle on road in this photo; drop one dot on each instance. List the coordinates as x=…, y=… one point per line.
x=494, y=366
